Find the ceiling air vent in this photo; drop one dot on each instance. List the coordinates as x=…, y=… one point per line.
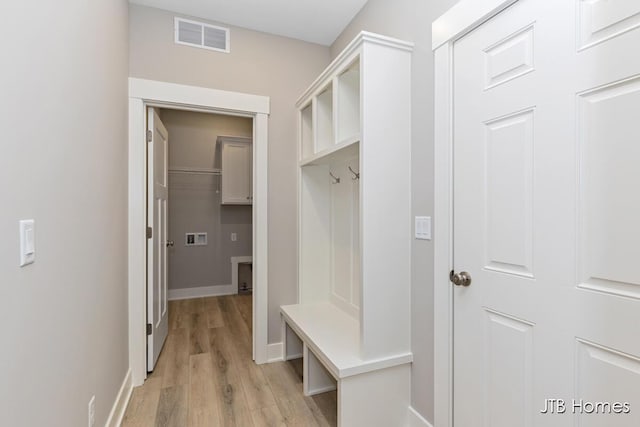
x=199, y=34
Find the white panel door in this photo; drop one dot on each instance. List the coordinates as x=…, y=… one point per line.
x=547, y=216
x=157, y=195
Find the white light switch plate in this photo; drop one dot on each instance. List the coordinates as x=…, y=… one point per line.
x=423, y=227
x=27, y=242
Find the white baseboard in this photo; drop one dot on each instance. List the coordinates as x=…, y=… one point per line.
x=202, y=291
x=122, y=400
x=275, y=352
x=417, y=420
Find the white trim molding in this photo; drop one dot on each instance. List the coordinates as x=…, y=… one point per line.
x=120, y=404
x=202, y=291
x=259, y=264
x=143, y=93
x=463, y=17
x=417, y=420
x=198, y=97
x=458, y=21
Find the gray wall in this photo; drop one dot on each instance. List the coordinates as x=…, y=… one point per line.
x=411, y=20
x=194, y=201
x=260, y=64
x=63, y=115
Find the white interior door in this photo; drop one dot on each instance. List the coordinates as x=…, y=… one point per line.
x=157, y=191
x=547, y=216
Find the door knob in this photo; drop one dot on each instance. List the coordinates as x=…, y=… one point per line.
x=460, y=279
x=169, y=243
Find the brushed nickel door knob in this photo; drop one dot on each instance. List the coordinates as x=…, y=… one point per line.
x=460, y=279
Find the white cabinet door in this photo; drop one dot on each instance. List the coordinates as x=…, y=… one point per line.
x=546, y=208
x=237, y=172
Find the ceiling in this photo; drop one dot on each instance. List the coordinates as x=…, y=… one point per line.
x=316, y=21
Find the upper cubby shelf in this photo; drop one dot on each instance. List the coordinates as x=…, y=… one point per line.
x=330, y=109
x=348, y=106
x=324, y=120
x=348, y=148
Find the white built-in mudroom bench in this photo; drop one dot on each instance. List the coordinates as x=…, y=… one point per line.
x=352, y=323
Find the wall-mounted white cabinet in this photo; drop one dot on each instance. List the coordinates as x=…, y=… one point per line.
x=237, y=170
x=354, y=310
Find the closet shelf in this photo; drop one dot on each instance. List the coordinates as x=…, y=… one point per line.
x=195, y=171
x=346, y=148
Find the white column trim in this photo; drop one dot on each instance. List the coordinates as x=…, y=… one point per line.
x=137, y=274
x=260, y=263
x=442, y=239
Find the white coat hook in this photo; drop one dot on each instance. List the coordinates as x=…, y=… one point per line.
x=336, y=180
x=356, y=175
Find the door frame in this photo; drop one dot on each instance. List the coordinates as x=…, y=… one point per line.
x=446, y=30
x=146, y=93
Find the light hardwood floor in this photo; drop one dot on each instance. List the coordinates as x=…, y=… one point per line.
x=205, y=375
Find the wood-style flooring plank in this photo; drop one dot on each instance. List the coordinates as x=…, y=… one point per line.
x=214, y=315
x=324, y=408
x=143, y=404
x=236, y=326
x=256, y=388
x=195, y=305
x=175, y=367
x=254, y=383
x=287, y=390
x=295, y=412
x=282, y=378
x=244, y=306
x=234, y=410
x=172, y=407
x=173, y=315
x=203, y=402
x=269, y=416
x=198, y=326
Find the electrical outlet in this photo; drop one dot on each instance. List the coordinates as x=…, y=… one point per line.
x=234, y=237
x=92, y=411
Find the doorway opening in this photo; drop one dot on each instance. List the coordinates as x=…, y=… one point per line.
x=181, y=99
x=208, y=224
